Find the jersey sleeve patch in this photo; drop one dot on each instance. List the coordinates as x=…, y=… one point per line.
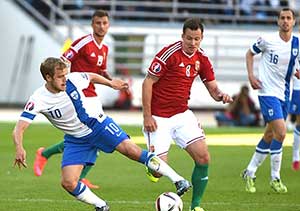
x=155, y=67
x=29, y=106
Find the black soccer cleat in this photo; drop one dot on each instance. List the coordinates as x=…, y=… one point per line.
x=182, y=186
x=104, y=208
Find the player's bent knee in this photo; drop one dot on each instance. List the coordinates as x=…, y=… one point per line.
x=69, y=185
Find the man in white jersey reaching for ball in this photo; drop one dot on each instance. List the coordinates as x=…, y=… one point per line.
x=279, y=54
x=87, y=129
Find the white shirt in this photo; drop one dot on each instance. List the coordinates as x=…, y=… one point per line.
x=60, y=110
x=275, y=69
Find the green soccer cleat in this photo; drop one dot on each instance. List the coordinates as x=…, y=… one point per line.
x=198, y=209
x=250, y=182
x=150, y=175
x=278, y=186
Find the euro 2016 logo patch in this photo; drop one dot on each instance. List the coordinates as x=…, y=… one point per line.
x=74, y=95
x=156, y=67
x=69, y=54
x=29, y=106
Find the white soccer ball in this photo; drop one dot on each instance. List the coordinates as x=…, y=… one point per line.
x=168, y=201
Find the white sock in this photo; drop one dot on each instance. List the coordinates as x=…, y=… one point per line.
x=256, y=160
x=89, y=197
x=276, y=165
x=158, y=165
x=296, y=145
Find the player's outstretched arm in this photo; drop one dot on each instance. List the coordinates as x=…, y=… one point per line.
x=114, y=83
x=20, y=158
x=216, y=93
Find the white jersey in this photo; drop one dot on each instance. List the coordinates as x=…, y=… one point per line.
x=276, y=64
x=66, y=110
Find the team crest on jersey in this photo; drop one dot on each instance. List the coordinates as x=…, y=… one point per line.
x=156, y=67
x=197, y=65
x=271, y=112
x=69, y=54
x=295, y=51
x=29, y=106
x=74, y=95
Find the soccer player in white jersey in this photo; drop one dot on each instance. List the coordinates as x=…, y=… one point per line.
x=279, y=54
x=87, y=129
x=295, y=109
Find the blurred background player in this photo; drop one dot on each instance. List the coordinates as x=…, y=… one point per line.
x=295, y=110
x=241, y=112
x=279, y=54
x=88, y=54
x=62, y=100
x=165, y=95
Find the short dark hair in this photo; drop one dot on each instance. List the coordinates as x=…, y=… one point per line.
x=100, y=14
x=287, y=9
x=193, y=24
x=49, y=66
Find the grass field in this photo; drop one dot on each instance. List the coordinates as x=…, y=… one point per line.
x=125, y=186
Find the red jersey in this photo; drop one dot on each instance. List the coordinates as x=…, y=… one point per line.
x=176, y=71
x=86, y=55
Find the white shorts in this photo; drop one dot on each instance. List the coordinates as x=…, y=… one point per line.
x=182, y=128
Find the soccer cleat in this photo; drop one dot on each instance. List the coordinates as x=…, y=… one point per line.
x=182, y=186
x=89, y=184
x=295, y=166
x=39, y=162
x=278, y=186
x=198, y=209
x=104, y=208
x=150, y=176
x=250, y=182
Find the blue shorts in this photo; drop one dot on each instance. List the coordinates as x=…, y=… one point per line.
x=272, y=108
x=106, y=136
x=295, y=102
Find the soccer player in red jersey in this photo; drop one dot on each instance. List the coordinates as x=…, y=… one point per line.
x=165, y=94
x=86, y=54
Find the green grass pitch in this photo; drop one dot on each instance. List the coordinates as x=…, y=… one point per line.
x=125, y=186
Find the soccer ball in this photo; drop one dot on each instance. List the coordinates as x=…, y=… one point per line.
x=168, y=201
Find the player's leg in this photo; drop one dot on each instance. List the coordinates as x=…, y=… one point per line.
x=296, y=144
x=190, y=136
x=134, y=152
x=70, y=182
x=84, y=180
x=261, y=152
x=279, y=130
x=159, y=142
x=74, y=158
x=42, y=156
x=199, y=152
x=86, y=169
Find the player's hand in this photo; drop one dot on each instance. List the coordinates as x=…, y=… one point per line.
x=150, y=124
x=20, y=159
x=225, y=98
x=119, y=84
x=255, y=83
